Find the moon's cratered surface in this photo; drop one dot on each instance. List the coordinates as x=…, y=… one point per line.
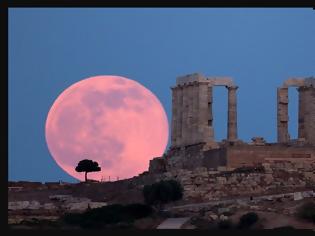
x=109, y=119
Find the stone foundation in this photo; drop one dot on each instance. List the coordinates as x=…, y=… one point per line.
x=231, y=156
x=270, y=178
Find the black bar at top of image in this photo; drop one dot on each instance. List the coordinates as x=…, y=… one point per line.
x=160, y=3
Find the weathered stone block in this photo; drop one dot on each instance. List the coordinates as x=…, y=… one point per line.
x=49, y=206
x=297, y=196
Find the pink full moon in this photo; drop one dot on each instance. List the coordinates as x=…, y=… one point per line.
x=109, y=119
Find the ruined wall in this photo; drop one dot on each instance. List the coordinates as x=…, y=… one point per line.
x=188, y=157
x=215, y=158
x=278, y=177
x=157, y=165
x=194, y=156
x=252, y=155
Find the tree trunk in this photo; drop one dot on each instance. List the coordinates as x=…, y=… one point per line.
x=85, y=176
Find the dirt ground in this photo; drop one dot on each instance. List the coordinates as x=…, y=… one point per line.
x=110, y=192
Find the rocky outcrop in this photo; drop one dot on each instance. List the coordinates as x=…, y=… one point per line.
x=19, y=205
x=82, y=206
x=65, y=203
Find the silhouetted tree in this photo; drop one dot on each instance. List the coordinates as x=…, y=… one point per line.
x=87, y=166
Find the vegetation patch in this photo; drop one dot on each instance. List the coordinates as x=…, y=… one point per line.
x=112, y=215
x=201, y=223
x=225, y=224
x=162, y=192
x=248, y=220
x=307, y=211
x=288, y=227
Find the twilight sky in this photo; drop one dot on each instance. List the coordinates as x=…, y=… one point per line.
x=50, y=49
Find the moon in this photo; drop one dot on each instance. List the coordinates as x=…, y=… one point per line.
x=109, y=119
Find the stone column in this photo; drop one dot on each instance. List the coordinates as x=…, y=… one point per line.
x=282, y=115
x=210, y=131
x=195, y=113
x=232, y=114
x=174, y=116
x=301, y=120
x=309, y=114
x=198, y=131
x=184, y=116
x=179, y=123
x=203, y=115
x=209, y=108
x=189, y=114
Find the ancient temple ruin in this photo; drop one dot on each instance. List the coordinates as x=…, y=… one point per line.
x=192, y=131
x=306, y=120
x=192, y=120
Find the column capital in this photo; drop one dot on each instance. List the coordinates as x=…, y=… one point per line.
x=303, y=88
x=282, y=88
x=233, y=87
x=203, y=82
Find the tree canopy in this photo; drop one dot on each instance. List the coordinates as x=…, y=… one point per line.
x=87, y=166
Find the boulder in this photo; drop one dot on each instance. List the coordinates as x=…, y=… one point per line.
x=297, y=196
x=97, y=204
x=49, y=206
x=79, y=199
x=199, y=180
x=77, y=206
x=60, y=198
x=212, y=217
x=254, y=207
x=222, y=168
x=34, y=205
x=309, y=175
x=223, y=210
x=223, y=217
x=221, y=180
x=269, y=178
x=18, y=205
